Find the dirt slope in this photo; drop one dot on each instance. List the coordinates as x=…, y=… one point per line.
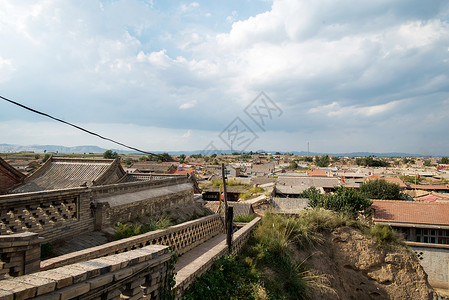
x=358, y=268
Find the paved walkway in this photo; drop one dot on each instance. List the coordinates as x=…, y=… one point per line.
x=80, y=242
x=189, y=263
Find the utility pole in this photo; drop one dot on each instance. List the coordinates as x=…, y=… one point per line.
x=225, y=196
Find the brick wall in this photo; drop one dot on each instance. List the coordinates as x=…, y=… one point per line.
x=132, y=275
x=52, y=214
x=20, y=254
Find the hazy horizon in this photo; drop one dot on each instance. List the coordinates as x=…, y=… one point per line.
x=371, y=76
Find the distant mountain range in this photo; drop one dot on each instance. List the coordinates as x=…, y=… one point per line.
x=96, y=149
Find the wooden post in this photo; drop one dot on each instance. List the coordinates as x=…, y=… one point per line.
x=229, y=228
x=225, y=195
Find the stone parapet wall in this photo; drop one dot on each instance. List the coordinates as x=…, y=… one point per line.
x=59, y=214
x=180, y=238
x=129, y=187
x=132, y=275
x=20, y=254
x=52, y=214
x=186, y=276
x=131, y=206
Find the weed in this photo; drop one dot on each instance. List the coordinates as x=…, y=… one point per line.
x=384, y=234
x=244, y=218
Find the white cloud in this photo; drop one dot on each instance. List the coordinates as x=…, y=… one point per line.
x=188, y=105
x=187, y=134
x=319, y=59
x=335, y=109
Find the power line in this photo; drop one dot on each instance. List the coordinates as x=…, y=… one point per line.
x=77, y=127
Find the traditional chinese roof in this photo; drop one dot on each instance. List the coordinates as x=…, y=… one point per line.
x=153, y=167
x=317, y=173
x=324, y=182
x=61, y=173
x=9, y=176
x=182, y=172
x=411, y=212
x=396, y=180
x=429, y=187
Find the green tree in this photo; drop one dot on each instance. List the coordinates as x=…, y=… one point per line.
x=323, y=161
x=370, y=161
x=293, y=165
x=46, y=157
x=165, y=157
x=344, y=200
x=381, y=189
x=427, y=163
x=108, y=154
x=445, y=160
x=182, y=157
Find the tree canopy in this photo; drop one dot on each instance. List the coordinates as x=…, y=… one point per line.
x=381, y=189
x=108, y=154
x=322, y=161
x=344, y=200
x=371, y=162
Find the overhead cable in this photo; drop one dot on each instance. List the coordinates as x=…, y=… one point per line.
x=77, y=127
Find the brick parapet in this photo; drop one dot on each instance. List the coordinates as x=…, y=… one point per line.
x=122, y=188
x=108, y=214
x=20, y=254
x=138, y=273
x=52, y=214
x=181, y=238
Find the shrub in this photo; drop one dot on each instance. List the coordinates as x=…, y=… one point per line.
x=384, y=234
x=128, y=230
x=244, y=218
x=228, y=278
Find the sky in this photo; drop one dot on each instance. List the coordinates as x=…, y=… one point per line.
x=343, y=76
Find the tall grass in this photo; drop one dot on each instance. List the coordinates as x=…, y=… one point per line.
x=123, y=230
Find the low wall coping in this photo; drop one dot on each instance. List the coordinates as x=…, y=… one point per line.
x=119, y=245
x=63, y=281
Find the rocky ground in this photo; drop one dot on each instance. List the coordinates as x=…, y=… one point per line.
x=356, y=267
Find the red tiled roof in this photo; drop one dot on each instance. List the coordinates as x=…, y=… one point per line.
x=429, y=186
x=317, y=173
x=194, y=163
x=428, y=198
x=182, y=172
x=373, y=177
x=395, y=180
x=396, y=211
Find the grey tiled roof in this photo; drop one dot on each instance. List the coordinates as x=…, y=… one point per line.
x=61, y=173
x=324, y=182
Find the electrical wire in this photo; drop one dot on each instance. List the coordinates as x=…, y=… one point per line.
x=78, y=127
